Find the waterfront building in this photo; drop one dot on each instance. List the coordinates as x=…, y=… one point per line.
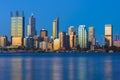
x=62, y=37
x=32, y=26
x=56, y=44
x=3, y=41
x=82, y=37
x=36, y=42
x=108, y=35
x=50, y=46
x=71, y=30
x=116, y=41
x=43, y=45
x=91, y=37
x=17, y=29
x=67, y=41
x=29, y=42
x=72, y=37
x=55, y=28
x=44, y=35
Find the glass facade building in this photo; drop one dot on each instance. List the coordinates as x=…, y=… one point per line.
x=108, y=35
x=17, y=26
x=55, y=29
x=17, y=30
x=32, y=26
x=82, y=37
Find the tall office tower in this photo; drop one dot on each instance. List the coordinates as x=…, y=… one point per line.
x=72, y=37
x=55, y=28
x=56, y=44
x=62, y=37
x=3, y=41
x=44, y=35
x=71, y=30
x=17, y=29
x=67, y=42
x=108, y=35
x=91, y=37
x=32, y=26
x=29, y=42
x=82, y=36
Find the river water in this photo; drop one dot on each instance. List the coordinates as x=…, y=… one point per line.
x=80, y=67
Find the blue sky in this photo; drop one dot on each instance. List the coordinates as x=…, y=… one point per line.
x=95, y=13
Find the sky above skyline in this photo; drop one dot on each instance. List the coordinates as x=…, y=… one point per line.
x=95, y=13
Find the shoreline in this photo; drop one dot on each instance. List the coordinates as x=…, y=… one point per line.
x=48, y=54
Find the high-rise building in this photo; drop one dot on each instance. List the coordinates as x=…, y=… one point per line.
x=32, y=26
x=62, y=37
x=29, y=42
x=71, y=30
x=56, y=44
x=43, y=33
x=3, y=41
x=116, y=41
x=43, y=45
x=50, y=46
x=55, y=28
x=72, y=37
x=91, y=37
x=17, y=29
x=36, y=41
x=67, y=42
x=82, y=37
x=108, y=35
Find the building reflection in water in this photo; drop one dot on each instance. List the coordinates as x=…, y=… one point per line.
x=71, y=69
x=16, y=69
x=108, y=69
x=82, y=68
x=5, y=68
x=91, y=69
x=57, y=69
x=42, y=67
x=27, y=69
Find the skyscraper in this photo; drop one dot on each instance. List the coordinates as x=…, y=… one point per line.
x=62, y=37
x=71, y=30
x=56, y=44
x=17, y=29
x=32, y=26
x=55, y=28
x=91, y=37
x=3, y=41
x=43, y=33
x=82, y=36
x=108, y=35
x=72, y=37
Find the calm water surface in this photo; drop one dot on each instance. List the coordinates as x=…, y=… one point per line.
x=87, y=67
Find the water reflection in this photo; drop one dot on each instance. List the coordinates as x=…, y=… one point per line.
x=5, y=72
x=91, y=69
x=59, y=68
x=28, y=69
x=108, y=69
x=71, y=69
x=82, y=69
x=16, y=69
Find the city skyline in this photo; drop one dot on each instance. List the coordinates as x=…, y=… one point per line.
x=71, y=13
